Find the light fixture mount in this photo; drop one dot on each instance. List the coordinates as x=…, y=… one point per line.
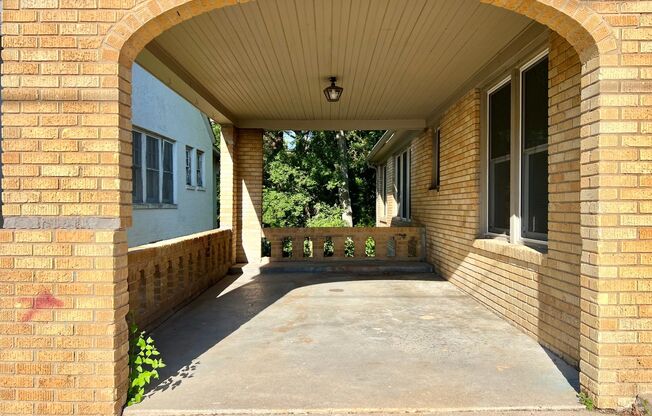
x=333, y=92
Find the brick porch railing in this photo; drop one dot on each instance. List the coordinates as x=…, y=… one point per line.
x=166, y=275
x=346, y=243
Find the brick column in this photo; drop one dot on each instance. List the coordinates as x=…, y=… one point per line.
x=241, y=192
x=249, y=150
x=229, y=207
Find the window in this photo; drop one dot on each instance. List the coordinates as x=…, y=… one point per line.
x=137, y=167
x=167, y=196
x=200, y=168
x=534, y=148
x=517, y=154
x=436, y=159
x=153, y=169
x=499, y=158
x=402, y=182
x=188, y=166
x=152, y=156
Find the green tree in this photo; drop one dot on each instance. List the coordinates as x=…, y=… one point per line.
x=303, y=178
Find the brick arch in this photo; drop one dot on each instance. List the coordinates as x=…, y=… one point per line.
x=581, y=26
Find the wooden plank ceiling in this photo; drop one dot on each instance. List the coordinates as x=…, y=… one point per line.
x=266, y=62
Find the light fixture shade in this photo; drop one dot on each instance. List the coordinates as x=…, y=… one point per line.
x=333, y=92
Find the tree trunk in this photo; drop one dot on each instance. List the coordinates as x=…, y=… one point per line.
x=343, y=191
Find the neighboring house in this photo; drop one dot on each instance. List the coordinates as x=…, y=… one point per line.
x=173, y=168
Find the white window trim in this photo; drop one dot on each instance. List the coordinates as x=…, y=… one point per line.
x=408, y=180
x=486, y=169
x=200, y=169
x=188, y=150
x=515, y=77
x=519, y=136
x=143, y=143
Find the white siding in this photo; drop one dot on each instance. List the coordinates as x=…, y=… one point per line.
x=158, y=109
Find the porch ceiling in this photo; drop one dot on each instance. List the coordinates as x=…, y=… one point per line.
x=265, y=63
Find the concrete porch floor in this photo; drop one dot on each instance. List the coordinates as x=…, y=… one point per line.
x=344, y=343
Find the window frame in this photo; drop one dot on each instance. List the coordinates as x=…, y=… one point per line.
x=160, y=140
x=436, y=160
x=523, y=193
x=402, y=184
x=487, y=150
x=513, y=75
x=200, y=177
x=188, y=167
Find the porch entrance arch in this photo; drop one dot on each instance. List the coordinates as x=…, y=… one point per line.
x=581, y=26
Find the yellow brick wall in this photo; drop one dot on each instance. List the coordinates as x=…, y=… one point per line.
x=166, y=275
x=386, y=220
x=537, y=292
x=67, y=156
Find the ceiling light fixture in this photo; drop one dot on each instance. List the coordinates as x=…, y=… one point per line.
x=333, y=92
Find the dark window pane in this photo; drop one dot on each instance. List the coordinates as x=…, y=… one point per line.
x=189, y=166
x=200, y=168
x=499, y=197
x=397, y=179
x=152, y=166
x=404, y=187
x=535, y=105
x=535, y=223
x=168, y=179
x=136, y=168
x=500, y=121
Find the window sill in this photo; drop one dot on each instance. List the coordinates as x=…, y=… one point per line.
x=190, y=187
x=155, y=206
x=502, y=247
x=200, y=188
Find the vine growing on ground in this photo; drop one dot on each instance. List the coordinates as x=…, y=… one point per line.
x=143, y=364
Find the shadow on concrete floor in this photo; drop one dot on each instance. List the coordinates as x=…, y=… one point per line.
x=343, y=341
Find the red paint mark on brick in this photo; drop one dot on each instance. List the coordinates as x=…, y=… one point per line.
x=41, y=301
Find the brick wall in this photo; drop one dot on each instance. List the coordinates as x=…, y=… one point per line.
x=166, y=275
x=540, y=293
x=392, y=211
x=66, y=183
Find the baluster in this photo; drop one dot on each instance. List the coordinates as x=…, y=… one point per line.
x=142, y=292
x=338, y=247
x=318, y=246
x=277, y=247
x=401, y=246
x=381, y=246
x=132, y=283
x=359, y=242
x=156, y=286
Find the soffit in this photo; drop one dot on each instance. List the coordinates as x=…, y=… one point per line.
x=265, y=63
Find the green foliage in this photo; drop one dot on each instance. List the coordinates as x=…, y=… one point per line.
x=586, y=401
x=143, y=364
x=301, y=181
x=370, y=247
x=326, y=216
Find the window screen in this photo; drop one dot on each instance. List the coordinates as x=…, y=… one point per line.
x=152, y=170
x=534, y=156
x=499, y=149
x=168, y=173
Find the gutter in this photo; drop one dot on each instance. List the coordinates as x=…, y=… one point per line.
x=384, y=139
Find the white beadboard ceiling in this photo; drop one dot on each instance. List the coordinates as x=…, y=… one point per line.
x=266, y=62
